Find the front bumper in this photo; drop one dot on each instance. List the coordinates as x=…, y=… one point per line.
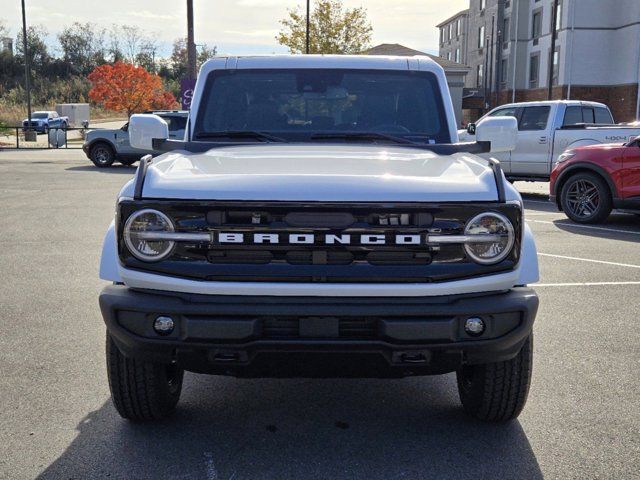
x=263, y=336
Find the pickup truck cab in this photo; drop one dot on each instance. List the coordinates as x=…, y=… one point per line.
x=42, y=121
x=319, y=219
x=547, y=129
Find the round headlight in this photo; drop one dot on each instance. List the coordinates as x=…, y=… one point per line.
x=143, y=235
x=496, y=237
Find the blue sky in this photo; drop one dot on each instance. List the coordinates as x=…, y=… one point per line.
x=236, y=27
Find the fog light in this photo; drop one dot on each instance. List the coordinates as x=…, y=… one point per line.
x=474, y=326
x=163, y=325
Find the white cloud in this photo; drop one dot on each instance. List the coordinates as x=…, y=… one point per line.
x=146, y=14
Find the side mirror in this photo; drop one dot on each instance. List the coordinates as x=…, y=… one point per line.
x=144, y=128
x=471, y=128
x=502, y=132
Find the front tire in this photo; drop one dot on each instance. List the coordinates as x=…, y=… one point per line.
x=497, y=392
x=586, y=198
x=142, y=391
x=102, y=155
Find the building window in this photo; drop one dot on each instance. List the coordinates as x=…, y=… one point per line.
x=505, y=29
x=481, y=37
x=459, y=27
x=449, y=56
x=556, y=67
x=450, y=31
x=534, y=70
x=457, y=55
x=504, y=71
x=536, y=25
x=558, y=25
x=483, y=5
x=442, y=35
x=480, y=75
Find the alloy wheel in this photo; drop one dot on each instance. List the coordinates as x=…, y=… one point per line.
x=583, y=198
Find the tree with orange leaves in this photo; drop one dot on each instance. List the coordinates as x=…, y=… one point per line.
x=125, y=87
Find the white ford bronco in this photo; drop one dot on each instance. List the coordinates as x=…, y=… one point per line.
x=319, y=219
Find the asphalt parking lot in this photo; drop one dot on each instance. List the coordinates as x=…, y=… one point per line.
x=582, y=420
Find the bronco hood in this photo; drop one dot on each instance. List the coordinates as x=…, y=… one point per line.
x=325, y=173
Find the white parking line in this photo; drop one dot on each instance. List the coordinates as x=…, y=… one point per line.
x=574, y=225
x=586, y=284
x=588, y=260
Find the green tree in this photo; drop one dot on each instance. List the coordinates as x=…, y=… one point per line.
x=37, y=46
x=82, y=46
x=333, y=29
x=179, y=57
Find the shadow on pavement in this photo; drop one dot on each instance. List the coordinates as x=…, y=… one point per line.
x=619, y=226
x=238, y=429
x=115, y=168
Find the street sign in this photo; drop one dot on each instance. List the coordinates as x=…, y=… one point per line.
x=186, y=92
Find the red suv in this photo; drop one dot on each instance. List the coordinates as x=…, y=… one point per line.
x=587, y=182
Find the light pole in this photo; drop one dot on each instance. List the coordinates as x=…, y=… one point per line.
x=191, y=45
x=308, y=26
x=27, y=70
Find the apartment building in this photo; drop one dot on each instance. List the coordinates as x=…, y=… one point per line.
x=453, y=38
x=535, y=49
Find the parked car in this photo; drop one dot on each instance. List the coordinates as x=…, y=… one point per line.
x=319, y=219
x=547, y=129
x=588, y=182
x=104, y=146
x=42, y=121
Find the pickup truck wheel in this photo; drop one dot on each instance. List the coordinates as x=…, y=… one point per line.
x=585, y=198
x=497, y=392
x=142, y=391
x=102, y=155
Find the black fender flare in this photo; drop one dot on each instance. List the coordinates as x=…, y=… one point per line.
x=567, y=172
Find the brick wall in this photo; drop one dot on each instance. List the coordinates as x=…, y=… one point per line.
x=621, y=99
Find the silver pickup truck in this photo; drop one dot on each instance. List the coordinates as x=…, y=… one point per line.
x=546, y=129
x=104, y=146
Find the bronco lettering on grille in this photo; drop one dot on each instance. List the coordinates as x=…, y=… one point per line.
x=321, y=239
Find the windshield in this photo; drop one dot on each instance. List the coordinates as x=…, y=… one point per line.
x=39, y=115
x=297, y=104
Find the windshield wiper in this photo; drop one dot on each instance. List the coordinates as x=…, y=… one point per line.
x=361, y=136
x=240, y=134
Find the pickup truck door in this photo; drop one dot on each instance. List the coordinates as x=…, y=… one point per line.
x=504, y=157
x=121, y=139
x=631, y=171
x=123, y=146
x=532, y=154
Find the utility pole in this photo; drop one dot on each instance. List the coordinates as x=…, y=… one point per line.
x=27, y=72
x=308, y=27
x=490, y=45
x=553, y=49
x=191, y=45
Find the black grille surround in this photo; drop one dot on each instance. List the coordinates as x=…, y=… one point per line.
x=336, y=263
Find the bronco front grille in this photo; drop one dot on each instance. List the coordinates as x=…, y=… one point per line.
x=315, y=242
